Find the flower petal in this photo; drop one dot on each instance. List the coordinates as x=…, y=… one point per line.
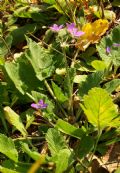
x=36, y=106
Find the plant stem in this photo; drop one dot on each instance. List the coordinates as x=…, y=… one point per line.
x=96, y=143
x=69, y=85
x=30, y=138
x=53, y=96
x=6, y=46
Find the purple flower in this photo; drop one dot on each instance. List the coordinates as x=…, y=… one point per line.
x=73, y=30
x=39, y=105
x=56, y=27
x=108, y=49
x=116, y=44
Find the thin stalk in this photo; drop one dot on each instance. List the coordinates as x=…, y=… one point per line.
x=30, y=138
x=48, y=45
x=69, y=85
x=62, y=8
x=96, y=143
x=6, y=46
x=53, y=96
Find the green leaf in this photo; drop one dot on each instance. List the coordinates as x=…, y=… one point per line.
x=109, y=41
x=5, y=45
x=80, y=78
x=112, y=85
x=85, y=146
x=14, y=119
x=19, y=33
x=99, y=108
x=98, y=65
x=58, y=93
x=7, y=147
x=29, y=117
x=93, y=80
x=22, y=80
x=69, y=129
x=49, y=1
x=41, y=60
x=20, y=167
x=3, y=93
x=4, y=170
x=55, y=141
x=64, y=159
x=33, y=154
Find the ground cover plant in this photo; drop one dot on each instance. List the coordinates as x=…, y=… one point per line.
x=59, y=86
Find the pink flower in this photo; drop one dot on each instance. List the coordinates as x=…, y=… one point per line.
x=39, y=105
x=73, y=30
x=56, y=27
x=108, y=49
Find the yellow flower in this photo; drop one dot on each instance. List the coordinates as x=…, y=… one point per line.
x=93, y=32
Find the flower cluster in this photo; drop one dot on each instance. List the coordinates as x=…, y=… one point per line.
x=108, y=49
x=71, y=28
x=39, y=105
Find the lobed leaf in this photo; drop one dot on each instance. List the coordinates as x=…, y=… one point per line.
x=99, y=108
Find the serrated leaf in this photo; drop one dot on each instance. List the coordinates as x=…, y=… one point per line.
x=41, y=60
x=69, y=129
x=33, y=154
x=112, y=85
x=14, y=119
x=22, y=80
x=99, y=108
x=55, y=141
x=7, y=147
x=58, y=93
x=64, y=159
x=109, y=41
x=93, y=80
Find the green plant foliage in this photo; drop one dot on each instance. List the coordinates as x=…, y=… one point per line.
x=98, y=65
x=92, y=80
x=58, y=93
x=86, y=145
x=59, y=102
x=33, y=154
x=18, y=167
x=19, y=33
x=69, y=129
x=14, y=119
x=55, y=141
x=109, y=41
x=99, y=108
x=22, y=80
x=40, y=59
x=4, y=170
x=29, y=118
x=7, y=147
x=112, y=85
x=5, y=45
x=64, y=159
